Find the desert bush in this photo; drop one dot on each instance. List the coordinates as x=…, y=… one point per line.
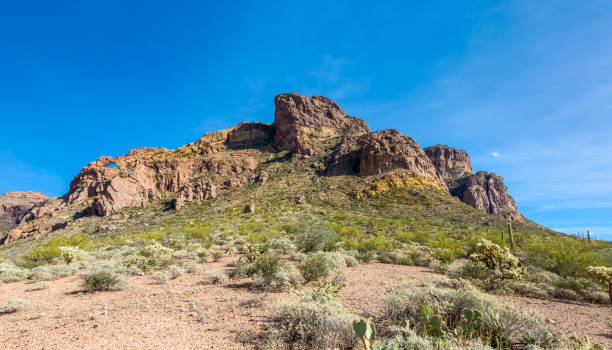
x=501, y=323
x=158, y=256
x=202, y=254
x=13, y=306
x=281, y=245
x=497, y=259
x=217, y=255
x=311, y=325
x=12, y=273
x=42, y=273
x=253, y=302
x=189, y=266
x=272, y=272
x=315, y=267
x=445, y=255
x=40, y=285
x=104, y=281
x=216, y=277
x=71, y=254
x=136, y=262
x=175, y=271
x=160, y=277
x=315, y=236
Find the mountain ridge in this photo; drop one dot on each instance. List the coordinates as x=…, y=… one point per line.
x=303, y=127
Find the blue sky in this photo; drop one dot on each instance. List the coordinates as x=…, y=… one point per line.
x=524, y=86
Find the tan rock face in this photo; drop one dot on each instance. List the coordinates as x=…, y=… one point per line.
x=451, y=163
x=487, y=192
x=197, y=191
x=389, y=149
x=14, y=204
x=377, y=152
x=299, y=120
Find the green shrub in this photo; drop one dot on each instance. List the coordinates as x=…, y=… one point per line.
x=158, y=256
x=71, y=254
x=272, y=272
x=40, y=285
x=315, y=236
x=104, y=281
x=443, y=254
x=189, y=266
x=315, y=267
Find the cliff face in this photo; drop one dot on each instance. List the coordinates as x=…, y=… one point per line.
x=14, y=204
x=483, y=191
x=487, y=192
x=233, y=157
x=451, y=163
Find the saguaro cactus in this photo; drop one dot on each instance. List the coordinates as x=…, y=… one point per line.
x=511, y=236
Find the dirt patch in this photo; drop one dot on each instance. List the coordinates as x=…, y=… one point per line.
x=186, y=314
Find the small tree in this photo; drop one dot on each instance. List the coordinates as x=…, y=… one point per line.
x=604, y=274
x=497, y=259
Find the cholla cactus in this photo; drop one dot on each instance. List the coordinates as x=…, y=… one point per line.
x=71, y=254
x=497, y=259
x=604, y=274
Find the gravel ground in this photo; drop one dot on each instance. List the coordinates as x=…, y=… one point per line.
x=185, y=314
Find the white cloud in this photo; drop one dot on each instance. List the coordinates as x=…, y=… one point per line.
x=495, y=154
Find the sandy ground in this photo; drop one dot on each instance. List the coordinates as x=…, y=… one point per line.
x=185, y=314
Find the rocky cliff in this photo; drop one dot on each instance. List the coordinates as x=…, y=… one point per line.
x=14, y=204
x=231, y=158
x=483, y=191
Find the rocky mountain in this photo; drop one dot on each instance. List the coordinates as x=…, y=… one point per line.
x=483, y=191
x=14, y=204
x=314, y=129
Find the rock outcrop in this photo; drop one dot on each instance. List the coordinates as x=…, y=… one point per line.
x=451, y=163
x=487, y=192
x=14, y=204
x=300, y=121
x=227, y=159
x=198, y=191
x=483, y=191
x=377, y=152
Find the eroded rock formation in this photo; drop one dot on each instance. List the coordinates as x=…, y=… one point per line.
x=300, y=121
x=197, y=191
x=226, y=159
x=487, y=192
x=14, y=204
x=483, y=191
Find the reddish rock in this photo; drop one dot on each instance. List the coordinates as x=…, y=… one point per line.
x=299, y=120
x=487, y=192
x=248, y=135
x=390, y=149
x=198, y=191
x=451, y=163
x=14, y=204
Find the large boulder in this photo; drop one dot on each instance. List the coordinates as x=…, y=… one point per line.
x=487, y=192
x=299, y=122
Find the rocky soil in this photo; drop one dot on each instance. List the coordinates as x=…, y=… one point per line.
x=185, y=314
